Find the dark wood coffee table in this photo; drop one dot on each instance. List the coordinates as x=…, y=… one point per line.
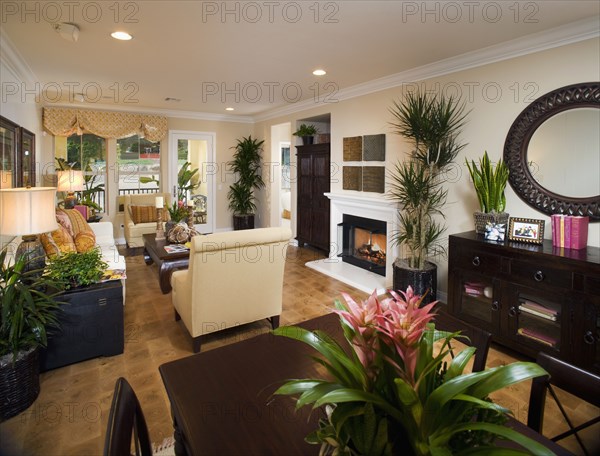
x=154, y=252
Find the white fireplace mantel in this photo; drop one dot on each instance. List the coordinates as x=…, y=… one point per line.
x=369, y=205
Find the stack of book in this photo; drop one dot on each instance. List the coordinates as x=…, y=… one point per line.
x=569, y=231
x=534, y=308
x=474, y=288
x=537, y=336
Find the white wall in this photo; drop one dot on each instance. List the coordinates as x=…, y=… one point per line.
x=495, y=94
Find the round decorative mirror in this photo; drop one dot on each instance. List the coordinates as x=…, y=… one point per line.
x=553, y=152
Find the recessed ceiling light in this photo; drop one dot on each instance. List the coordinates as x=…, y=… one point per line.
x=123, y=36
x=229, y=109
x=319, y=72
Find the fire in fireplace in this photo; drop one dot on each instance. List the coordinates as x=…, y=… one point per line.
x=364, y=242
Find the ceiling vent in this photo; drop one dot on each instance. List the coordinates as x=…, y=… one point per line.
x=69, y=32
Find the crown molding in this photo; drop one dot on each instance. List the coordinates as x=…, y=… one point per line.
x=560, y=36
x=13, y=61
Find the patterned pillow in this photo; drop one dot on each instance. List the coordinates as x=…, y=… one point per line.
x=143, y=214
x=85, y=241
x=78, y=223
x=57, y=242
x=63, y=219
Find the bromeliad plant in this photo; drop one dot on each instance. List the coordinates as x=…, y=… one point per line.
x=394, y=391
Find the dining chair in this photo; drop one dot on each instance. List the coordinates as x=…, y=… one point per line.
x=578, y=382
x=477, y=337
x=125, y=421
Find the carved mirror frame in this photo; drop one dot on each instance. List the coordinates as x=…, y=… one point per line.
x=585, y=95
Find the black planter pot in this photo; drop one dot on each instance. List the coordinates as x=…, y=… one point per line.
x=243, y=222
x=19, y=382
x=307, y=140
x=421, y=280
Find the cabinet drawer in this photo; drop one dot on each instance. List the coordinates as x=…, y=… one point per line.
x=475, y=260
x=528, y=273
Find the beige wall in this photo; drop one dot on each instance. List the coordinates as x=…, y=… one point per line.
x=495, y=94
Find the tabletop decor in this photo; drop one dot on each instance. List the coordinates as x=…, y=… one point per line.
x=393, y=389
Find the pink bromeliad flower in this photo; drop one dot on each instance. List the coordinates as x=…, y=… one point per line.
x=404, y=322
x=364, y=318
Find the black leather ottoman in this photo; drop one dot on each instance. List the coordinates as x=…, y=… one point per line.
x=91, y=325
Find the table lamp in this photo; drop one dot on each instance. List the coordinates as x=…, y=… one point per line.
x=70, y=181
x=27, y=212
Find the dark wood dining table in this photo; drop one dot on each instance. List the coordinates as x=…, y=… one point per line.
x=222, y=402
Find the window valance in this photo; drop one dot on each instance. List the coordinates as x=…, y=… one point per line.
x=107, y=124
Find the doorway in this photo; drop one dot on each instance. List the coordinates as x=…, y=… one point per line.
x=197, y=149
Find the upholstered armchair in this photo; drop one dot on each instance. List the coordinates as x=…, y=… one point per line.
x=140, y=216
x=235, y=277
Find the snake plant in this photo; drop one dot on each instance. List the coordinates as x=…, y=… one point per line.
x=489, y=183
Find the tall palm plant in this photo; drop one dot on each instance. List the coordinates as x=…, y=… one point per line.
x=246, y=164
x=432, y=123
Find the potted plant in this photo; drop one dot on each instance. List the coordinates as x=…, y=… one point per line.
x=489, y=183
x=307, y=133
x=431, y=123
x=76, y=269
x=392, y=389
x=246, y=164
x=27, y=313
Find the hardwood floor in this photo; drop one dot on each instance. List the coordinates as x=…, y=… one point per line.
x=69, y=417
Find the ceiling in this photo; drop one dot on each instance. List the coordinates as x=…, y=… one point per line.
x=254, y=56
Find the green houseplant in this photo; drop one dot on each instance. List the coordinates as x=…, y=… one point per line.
x=390, y=388
x=489, y=183
x=246, y=164
x=307, y=133
x=431, y=123
x=76, y=269
x=28, y=310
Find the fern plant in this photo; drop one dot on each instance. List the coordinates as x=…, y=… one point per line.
x=489, y=183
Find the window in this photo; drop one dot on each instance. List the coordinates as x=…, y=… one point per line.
x=17, y=155
x=87, y=152
x=138, y=162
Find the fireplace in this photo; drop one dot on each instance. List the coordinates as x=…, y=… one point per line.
x=364, y=243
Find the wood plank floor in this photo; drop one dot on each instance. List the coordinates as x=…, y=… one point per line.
x=70, y=415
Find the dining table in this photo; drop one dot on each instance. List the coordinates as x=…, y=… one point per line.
x=222, y=400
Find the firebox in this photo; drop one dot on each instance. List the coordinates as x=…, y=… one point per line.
x=363, y=243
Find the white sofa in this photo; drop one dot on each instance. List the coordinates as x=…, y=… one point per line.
x=233, y=278
x=135, y=231
x=104, y=239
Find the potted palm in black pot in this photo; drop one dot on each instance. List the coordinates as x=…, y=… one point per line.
x=432, y=124
x=28, y=309
x=246, y=164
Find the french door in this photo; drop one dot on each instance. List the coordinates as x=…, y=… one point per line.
x=198, y=149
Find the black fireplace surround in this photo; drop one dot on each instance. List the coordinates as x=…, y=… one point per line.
x=364, y=242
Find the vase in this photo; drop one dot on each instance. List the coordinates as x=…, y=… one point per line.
x=169, y=225
x=421, y=280
x=483, y=218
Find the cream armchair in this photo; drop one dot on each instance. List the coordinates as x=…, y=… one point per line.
x=134, y=231
x=233, y=278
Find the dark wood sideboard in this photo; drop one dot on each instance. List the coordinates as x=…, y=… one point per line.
x=499, y=286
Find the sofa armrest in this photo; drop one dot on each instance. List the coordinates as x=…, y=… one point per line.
x=104, y=232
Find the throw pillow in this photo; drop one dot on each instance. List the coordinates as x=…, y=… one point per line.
x=85, y=241
x=143, y=214
x=63, y=219
x=78, y=222
x=57, y=242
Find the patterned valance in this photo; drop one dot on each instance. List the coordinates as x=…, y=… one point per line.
x=107, y=124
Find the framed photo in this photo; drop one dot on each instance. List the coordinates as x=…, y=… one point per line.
x=495, y=232
x=526, y=230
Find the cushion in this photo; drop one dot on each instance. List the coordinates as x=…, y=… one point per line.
x=57, y=242
x=85, y=241
x=143, y=214
x=78, y=222
x=63, y=219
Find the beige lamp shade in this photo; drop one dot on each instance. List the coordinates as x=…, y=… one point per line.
x=26, y=211
x=70, y=181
